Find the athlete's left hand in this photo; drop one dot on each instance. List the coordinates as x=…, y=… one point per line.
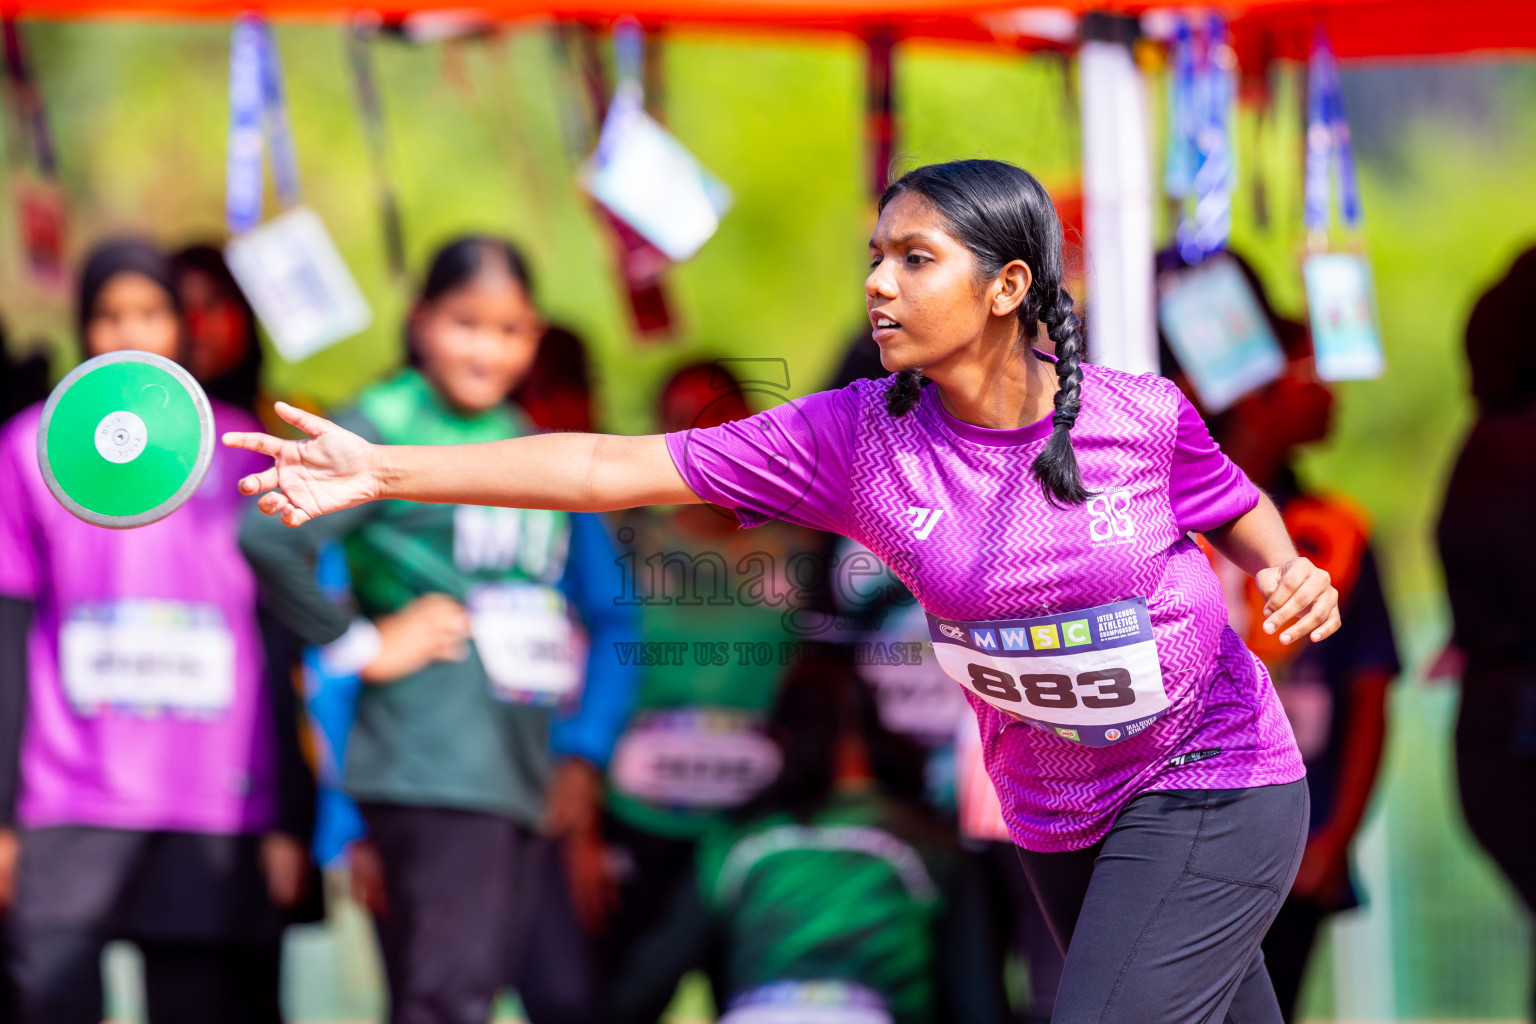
x=1300, y=599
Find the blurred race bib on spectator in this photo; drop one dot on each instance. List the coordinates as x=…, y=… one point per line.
x=526, y=641
x=704, y=758
x=1342, y=301
x=1217, y=330
x=149, y=656
x=295, y=279
x=808, y=1002
x=651, y=182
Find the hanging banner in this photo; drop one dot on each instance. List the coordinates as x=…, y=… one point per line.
x=1200, y=171
x=1346, y=339
x=643, y=175
x=1218, y=332
x=365, y=88
x=289, y=268
x=40, y=199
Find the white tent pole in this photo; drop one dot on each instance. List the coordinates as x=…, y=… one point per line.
x=1117, y=197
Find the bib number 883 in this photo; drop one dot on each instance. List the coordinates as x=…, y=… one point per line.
x=1111, y=688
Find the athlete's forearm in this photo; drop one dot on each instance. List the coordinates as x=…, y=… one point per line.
x=566, y=471
x=1255, y=540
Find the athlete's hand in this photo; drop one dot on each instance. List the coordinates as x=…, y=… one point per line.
x=1300, y=599
x=331, y=470
x=434, y=627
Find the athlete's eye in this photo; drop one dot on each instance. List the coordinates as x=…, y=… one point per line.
x=915, y=258
x=874, y=261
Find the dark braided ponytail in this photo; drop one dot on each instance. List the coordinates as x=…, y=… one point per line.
x=905, y=392
x=1001, y=213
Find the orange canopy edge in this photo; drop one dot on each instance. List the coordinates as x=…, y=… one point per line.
x=1261, y=28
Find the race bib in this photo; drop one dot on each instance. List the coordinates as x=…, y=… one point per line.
x=695, y=758
x=808, y=1002
x=1089, y=676
x=147, y=655
x=526, y=641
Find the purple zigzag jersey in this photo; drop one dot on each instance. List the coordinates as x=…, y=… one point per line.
x=956, y=513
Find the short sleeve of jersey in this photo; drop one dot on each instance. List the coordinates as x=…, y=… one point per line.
x=1206, y=488
x=790, y=462
x=19, y=570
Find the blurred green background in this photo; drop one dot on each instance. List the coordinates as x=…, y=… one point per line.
x=1448, y=161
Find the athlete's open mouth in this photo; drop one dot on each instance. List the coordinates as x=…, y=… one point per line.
x=885, y=323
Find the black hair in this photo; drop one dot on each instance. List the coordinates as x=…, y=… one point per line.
x=460, y=261
x=819, y=702
x=240, y=386
x=108, y=260
x=1002, y=213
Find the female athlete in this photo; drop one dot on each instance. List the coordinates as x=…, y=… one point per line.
x=1041, y=512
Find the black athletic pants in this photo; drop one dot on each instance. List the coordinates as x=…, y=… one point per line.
x=475, y=903
x=1161, y=920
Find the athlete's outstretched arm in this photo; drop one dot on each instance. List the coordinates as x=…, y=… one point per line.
x=333, y=469
x=1293, y=588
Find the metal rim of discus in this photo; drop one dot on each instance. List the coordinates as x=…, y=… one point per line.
x=199, y=466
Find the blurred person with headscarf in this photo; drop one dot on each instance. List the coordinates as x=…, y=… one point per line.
x=176, y=817
x=1489, y=553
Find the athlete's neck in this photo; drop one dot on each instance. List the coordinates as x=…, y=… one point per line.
x=998, y=389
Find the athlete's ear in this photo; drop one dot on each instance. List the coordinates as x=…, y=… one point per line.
x=1009, y=288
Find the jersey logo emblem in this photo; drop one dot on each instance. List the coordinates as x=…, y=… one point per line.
x=1109, y=517
x=923, y=520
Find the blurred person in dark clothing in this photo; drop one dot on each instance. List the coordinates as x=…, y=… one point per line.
x=22, y=381
x=223, y=350
x=1334, y=692
x=1488, y=550
x=831, y=897
x=173, y=815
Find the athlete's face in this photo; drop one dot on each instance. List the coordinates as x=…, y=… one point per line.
x=926, y=298
x=132, y=312
x=477, y=342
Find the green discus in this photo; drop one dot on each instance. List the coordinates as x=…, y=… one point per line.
x=125, y=440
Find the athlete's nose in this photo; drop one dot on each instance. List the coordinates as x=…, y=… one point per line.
x=880, y=284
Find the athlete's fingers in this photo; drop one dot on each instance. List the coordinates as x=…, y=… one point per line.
x=1312, y=588
x=308, y=422
x=266, y=444
x=294, y=516
x=272, y=503
x=258, y=482
x=1292, y=577
x=1329, y=627
x=1312, y=625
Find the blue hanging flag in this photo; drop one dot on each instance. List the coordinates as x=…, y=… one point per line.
x=1328, y=141
x=257, y=114
x=1205, y=70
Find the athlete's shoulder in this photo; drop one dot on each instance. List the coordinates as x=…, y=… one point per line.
x=1144, y=397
